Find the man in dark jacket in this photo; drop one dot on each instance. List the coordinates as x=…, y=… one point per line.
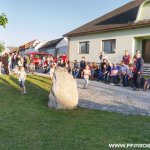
x=82, y=65
x=139, y=71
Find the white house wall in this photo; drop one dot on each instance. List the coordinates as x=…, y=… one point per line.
x=62, y=43
x=144, y=10
x=124, y=41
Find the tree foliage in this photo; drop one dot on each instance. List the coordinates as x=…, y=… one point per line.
x=3, y=20
x=2, y=47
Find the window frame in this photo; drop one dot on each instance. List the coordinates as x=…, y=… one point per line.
x=112, y=50
x=87, y=50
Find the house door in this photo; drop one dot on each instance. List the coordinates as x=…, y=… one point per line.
x=146, y=51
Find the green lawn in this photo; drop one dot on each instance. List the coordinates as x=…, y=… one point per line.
x=26, y=123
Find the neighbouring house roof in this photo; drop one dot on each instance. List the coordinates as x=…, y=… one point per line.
x=28, y=45
x=13, y=49
x=51, y=44
x=121, y=18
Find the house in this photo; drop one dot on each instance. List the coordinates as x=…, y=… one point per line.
x=29, y=47
x=126, y=28
x=54, y=47
x=12, y=49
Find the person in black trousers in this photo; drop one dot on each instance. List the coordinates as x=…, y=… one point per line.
x=139, y=71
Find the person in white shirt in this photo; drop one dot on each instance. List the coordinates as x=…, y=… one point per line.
x=52, y=70
x=21, y=78
x=86, y=75
x=124, y=69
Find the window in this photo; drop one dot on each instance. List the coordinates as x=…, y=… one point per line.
x=37, y=56
x=109, y=46
x=84, y=47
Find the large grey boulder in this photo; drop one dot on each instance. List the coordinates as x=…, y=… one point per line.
x=64, y=93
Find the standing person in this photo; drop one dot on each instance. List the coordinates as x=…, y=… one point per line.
x=82, y=65
x=94, y=70
x=52, y=70
x=75, y=69
x=124, y=73
x=25, y=62
x=64, y=57
x=21, y=78
x=126, y=58
x=61, y=64
x=12, y=61
x=68, y=66
x=86, y=75
x=0, y=64
x=139, y=71
x=43, y=62
x=103, y=64
x=101, y=56
x=9, y=63
x=6, y=63
x=19, y=62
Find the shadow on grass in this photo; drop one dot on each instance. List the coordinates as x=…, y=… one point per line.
x=34, y=92
x=37, y=78
x=7, y=81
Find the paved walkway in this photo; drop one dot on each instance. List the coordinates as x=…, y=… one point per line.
x=113, y=98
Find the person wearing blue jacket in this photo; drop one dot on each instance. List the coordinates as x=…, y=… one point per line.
x=139, y=71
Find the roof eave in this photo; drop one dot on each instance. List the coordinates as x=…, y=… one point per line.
x=108, y=30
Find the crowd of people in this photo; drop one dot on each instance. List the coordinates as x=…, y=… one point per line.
x=20, y=65
x=127, y=73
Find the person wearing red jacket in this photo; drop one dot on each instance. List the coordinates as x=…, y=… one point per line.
x=126, y=58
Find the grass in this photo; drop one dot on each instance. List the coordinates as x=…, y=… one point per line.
x=26, y=123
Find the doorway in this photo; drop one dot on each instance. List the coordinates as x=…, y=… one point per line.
x=146, y=50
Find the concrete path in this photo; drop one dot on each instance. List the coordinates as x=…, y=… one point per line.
x=113, y=98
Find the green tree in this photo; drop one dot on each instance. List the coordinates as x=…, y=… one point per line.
x=2, y=47
x=3, y=20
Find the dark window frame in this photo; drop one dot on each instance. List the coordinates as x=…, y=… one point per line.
x=87, y=47
x=112, y=49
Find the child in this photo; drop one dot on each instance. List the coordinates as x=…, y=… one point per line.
x=16, y=70
x=21, y=79
x=147, y=84
x=86, y=75
x=124, y=70
x=52, y=69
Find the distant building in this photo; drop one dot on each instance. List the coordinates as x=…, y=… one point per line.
x=28, y=47
x=12, y=49
x=54, y=47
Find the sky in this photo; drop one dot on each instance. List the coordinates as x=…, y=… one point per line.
x=49, y=19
